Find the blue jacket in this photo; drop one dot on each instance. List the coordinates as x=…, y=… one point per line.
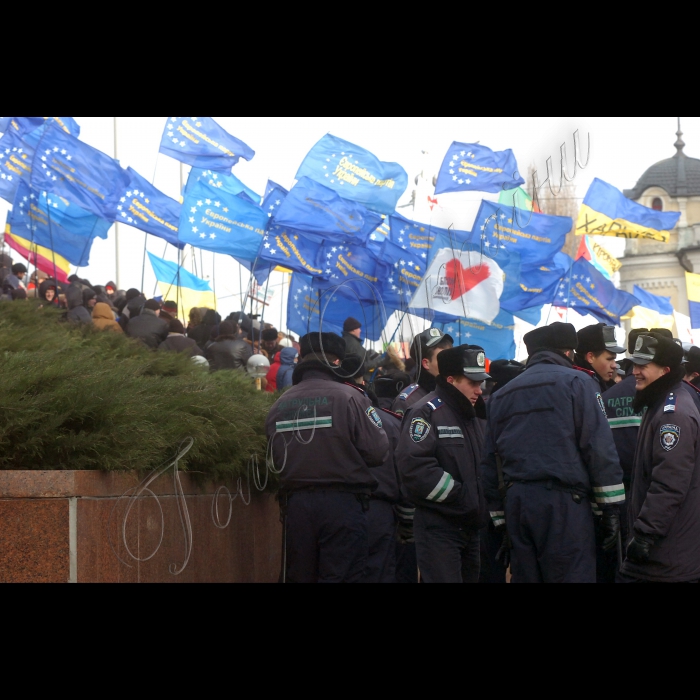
x=549, y=424
x=288, y=358
x=625, y=423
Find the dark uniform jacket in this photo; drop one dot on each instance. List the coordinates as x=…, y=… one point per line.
x=665, y=497
x=624, y=421
x=229, y=354
x=693, y=392
x=148, y=328
x=549, y=425
x=326, y=434
x=439, y=456
x=387, y=475
x=414, y=394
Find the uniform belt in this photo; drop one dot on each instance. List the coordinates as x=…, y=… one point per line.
x=552, y=485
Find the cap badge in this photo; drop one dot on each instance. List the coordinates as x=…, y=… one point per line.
x=481, y=359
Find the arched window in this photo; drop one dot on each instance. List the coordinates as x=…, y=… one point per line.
x=658, y=204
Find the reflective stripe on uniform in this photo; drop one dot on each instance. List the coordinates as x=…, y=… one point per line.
x=442, y=490
x=450, y=432
x=499, y=518
x=629, y=422
x=291, y=426
x=609, y=495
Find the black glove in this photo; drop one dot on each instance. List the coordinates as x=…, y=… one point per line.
x=610, y=529
x=503, y=556
x=639, y=550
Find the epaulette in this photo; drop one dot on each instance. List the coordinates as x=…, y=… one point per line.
x=591, y=374
x=435, y=404
x=391, y=413
x=670, y=406
x=408, y=392
x=357, y=387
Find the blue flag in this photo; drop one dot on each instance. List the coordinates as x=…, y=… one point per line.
x=468, y=166
x=221, y=181
x=27, y=125
x=537, y=242
x=215, y=220
x=16, y=158
x=202, y=143
x=146, y=208
x=274, y=198
x=401, y=276
x=497, y=339
x=661, y=305
x=540, y=285
x=311, y=310
x=292, y=250
x=4, y=123
x=355, y=173
x=342, y=263
x=590, y=292
x=53, y=223
x=80, y=173
x=315, y=209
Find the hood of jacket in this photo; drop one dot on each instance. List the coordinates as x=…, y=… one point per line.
x=135, y=305
x=102, y=312
x=287, y=356
x=74, y=297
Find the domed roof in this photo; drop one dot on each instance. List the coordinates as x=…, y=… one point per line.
x=678, y=176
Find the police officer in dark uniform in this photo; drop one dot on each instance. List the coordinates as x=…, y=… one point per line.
x=439, y=456
x=550, y=448
x=692, y=374
x=425, y=351
x=597, y=352
x=326, y=438
x=664, y=507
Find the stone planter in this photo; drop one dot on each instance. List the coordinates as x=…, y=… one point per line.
x=92, y=527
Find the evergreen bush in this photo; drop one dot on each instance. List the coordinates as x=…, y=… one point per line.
x=75, y=398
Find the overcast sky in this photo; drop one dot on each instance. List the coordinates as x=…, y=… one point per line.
x=622, y=148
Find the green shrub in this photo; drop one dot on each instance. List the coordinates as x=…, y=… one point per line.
x=75, y=398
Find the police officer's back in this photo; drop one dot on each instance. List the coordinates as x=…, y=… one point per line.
x=550, y=445
x=326, y=437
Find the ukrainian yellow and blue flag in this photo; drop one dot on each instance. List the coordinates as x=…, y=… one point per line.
x=607, y=212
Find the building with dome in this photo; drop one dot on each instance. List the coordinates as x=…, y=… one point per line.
x=670, y=185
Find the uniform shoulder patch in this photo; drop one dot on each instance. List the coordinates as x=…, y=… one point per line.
x=670, y=437
x=408, y=392
x=670, y=406
x=374, y=417
x=435, y=404
x=601, y=403
x=420, y=429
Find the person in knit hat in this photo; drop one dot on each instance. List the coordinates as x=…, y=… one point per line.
x=352, y=335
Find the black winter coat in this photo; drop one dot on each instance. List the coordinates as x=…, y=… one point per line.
x=665, y=497
x=353, y=346
x=325, y=433
x=439, y=456
x=228, y=354
x=178, y=343
x=414, y=394
x=148, y=328
x=624, y=421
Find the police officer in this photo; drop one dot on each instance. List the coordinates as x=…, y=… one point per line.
x=325, y=437
x=425, y=350
x=550, y=447
x=692, y=375
x=597, y=353
x=664, y=507
x=439, y=455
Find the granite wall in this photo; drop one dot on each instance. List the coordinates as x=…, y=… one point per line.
x=91, y=527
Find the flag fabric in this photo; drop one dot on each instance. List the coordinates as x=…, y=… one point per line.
x=317, y=210
x=292, y=250
x=274, y=197
x=182, y=287
x=590, y=292
x=457, y=285
x=202, y=143
x=519, y=199
x=693, y=284
x=16, y=159
x=27, y=125
x=497, y=339
x=227, y=182
x=653, y=311
x=400, y=277
x=355, y=174
x=55, y=224
x=536, y=237
x=538, y=286
x=215, y=220
x=42, y=258
x=607, y=212
x=4, y=123
x=146, y=208
x=469, y=167
x=79, y=173
x=311, y=310
x=603, y=261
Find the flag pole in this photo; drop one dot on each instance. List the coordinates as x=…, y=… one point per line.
x=116, y=223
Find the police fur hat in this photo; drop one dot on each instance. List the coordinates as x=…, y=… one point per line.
x=558, y=336
x=467, y=360
x=598, y=338
x=692, y=365
x=504, y=371
x=19, y=269
x=320, y=343
x=390, y=386
x=269, y=335
x=632, y=338
x=353, y=367
x=658, y=349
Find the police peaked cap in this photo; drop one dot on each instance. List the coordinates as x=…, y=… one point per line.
x=466, y=360
x=657, y=349
x=504, y=371
x=692, y=365
x=558, y=336
x=598, y=338
x=322, y=343
x=427, y=341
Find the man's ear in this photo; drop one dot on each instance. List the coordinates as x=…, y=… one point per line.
x=426, y=363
